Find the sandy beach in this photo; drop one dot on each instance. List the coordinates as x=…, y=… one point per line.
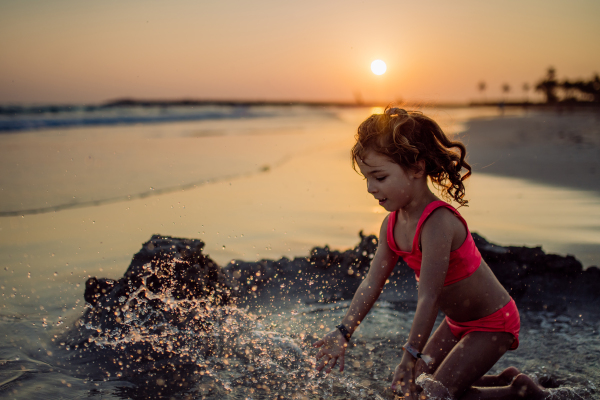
x=556, y=149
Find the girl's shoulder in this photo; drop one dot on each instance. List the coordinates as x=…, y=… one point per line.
x=444, y=216
x=445, y=222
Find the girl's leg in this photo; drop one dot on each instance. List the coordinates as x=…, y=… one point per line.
x=471, y=358
x=522, y=387
x=438, y=346
x=504, y=378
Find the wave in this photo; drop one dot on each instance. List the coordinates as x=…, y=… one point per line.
x=44, y=118
x=14, y=118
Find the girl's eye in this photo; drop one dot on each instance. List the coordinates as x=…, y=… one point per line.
x=381, y=179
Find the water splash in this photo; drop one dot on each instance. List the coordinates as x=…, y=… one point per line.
x=560, y=389
x=433, y=389
x=167, y=345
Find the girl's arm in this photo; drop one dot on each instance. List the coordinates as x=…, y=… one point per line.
x=436, y=242
x=333, y=345
x=371, y=287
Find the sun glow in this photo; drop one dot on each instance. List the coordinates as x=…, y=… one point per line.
x=378, y=67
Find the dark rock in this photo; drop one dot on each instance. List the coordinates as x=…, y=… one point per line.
x=541, y=280
x=97, y=288
x=178, y=266
x=169, y=290
x=326, y=275
x=165, y=263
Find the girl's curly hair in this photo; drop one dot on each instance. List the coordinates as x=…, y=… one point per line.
x=408, y=137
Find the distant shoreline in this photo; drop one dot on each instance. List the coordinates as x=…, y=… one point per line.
x=129, y=111
x=20, y=109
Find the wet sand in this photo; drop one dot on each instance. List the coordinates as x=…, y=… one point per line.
x=557, y=149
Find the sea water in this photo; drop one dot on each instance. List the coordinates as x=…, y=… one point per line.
x=259, y=353
x=78, y=202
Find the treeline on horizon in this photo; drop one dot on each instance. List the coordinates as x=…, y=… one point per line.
x=556, y=91
x=572, y=91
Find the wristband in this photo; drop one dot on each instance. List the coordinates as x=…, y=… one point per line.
x=345, y=332
x=413, y=352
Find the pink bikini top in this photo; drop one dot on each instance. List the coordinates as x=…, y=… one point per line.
x=464, y=261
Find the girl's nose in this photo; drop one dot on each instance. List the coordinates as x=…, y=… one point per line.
x=370, y=187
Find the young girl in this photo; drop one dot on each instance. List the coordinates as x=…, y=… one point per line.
x=396, y=152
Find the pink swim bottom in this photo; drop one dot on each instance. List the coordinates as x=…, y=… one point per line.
x=505, y=319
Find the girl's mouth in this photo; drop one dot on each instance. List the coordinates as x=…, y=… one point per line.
x=382, y=201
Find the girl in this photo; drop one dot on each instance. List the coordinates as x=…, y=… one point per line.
x=396, y=152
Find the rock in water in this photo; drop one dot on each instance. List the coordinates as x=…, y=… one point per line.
x=156, y=324
x=165, y=263
x=537, y=280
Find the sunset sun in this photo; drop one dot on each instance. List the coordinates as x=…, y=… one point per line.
x=378, y=67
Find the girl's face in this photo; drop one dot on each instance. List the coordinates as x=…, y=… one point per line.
x=387, y=181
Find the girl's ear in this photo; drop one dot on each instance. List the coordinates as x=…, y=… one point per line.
x=419, y=169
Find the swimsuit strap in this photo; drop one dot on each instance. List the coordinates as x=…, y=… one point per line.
x=431, y=207
x=390, y=232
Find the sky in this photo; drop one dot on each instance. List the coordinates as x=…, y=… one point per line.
x=73, y=51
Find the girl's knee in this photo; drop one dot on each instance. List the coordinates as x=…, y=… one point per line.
x=511, y=371
x=509, y=374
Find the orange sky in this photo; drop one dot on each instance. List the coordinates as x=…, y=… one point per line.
x=65, y=51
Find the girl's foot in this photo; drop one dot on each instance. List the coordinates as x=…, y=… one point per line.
x=525, y=387
x=506, y=377
x=502, y=379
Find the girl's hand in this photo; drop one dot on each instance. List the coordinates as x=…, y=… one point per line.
x=404, y=378
x=333, y=349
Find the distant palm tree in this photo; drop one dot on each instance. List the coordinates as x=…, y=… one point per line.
x=548, y=86
x=481, y=86
x=526, y=88
x=505, y=89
